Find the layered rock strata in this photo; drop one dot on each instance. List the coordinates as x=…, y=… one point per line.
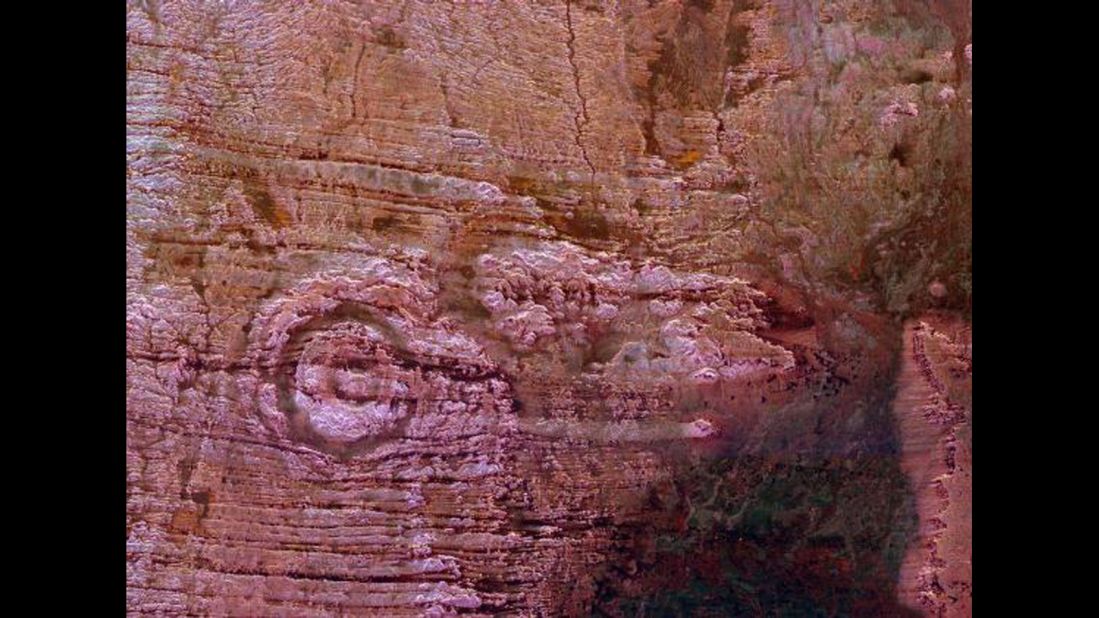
x=548, y=308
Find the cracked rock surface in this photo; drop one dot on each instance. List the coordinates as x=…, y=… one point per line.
x=549, y=308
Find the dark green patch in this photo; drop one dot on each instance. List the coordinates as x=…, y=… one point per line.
x=522, y=185
x=383, y=223
x=786, y=536
x=458, y=300
x=263, y=204
x=901, y=153
x=168, y=260
x=915, y=76
x=736, y=44
x=421, y=185
x=587, y=224
x=387, y=37
x=703, y=5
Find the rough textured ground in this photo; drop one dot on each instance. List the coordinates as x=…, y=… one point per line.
x=549, y=308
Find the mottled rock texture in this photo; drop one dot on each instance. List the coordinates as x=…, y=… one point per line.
x=544, y=308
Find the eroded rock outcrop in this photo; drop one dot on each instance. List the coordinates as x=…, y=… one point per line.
x=935, y=417
x=548, y=308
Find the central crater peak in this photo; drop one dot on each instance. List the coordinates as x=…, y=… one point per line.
x=358, y=363
x=349, y=385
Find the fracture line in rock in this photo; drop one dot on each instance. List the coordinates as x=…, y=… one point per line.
x=581, y=118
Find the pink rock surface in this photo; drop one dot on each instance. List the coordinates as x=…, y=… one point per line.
x=547, y=308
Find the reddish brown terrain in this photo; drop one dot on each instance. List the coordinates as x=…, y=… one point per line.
x=935, y=417
x=549, y=308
